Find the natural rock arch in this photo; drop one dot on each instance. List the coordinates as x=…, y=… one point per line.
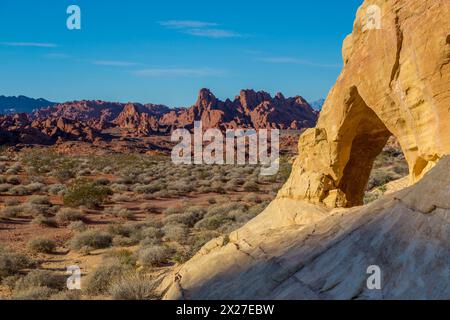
x=395, y=81
x=367, y=135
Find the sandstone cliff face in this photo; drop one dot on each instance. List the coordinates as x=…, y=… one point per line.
x=396, y=81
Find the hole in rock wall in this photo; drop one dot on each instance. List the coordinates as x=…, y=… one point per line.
x=370, y=161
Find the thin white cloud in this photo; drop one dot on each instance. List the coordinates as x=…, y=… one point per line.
x=212, y=33
x=114, y=63
x=180, y=24
x=290, y=60
x=29, y=44
x=178, y=72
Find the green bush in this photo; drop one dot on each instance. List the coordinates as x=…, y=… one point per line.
x=84, y=193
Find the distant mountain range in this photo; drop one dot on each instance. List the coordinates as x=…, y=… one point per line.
x=9, y=105
x=88, y=120
x=318, y=104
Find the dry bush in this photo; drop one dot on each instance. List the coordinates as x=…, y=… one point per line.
x=66, y=215
x=133, y=287
x=11, y=212
x=251, y=186
x=40, y=278
x=99, y=281
x=35, y=293
x=91, y=239
x=154, y=256
x=11, y=263
x=19, y=191
x=176, y=232
x=44, y=221
x=78, y=226
x=42, y=245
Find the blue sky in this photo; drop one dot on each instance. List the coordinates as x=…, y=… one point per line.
x=165, y=51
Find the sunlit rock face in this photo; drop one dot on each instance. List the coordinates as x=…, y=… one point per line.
x=396, y=81
x=313, y=242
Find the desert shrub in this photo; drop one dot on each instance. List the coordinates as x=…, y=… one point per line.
x=133, y=287
x=188, y=218
x=40, y=278
x=199, y=239
x=84, y=172
x=118, y=187
x=19, y=191
x=57, y=189
x=5, y=187
x=12, y=202
x=213, y=222
x=42, y=245
x=108, y=170
x=154, y=256
x=35, y=187
x=66, y=295
x=2, y=178
x=84, y=193
x=12, y=263
x=162, y=194
x=120, y=198
x=174, y=210
x=102, y=181
x=118, y=229
x=91, y=239
x=149, y=208
x=14, y=180
x=121, y=213
x=150, y=188
x=121, y=241
x=380, y=177
x=78, y=226
x=212, y=200
x=39, y=200
x=224, y=209
x=45, y=221
x=36, y=209
x=123, y=256
x=152, y=233
x=64, y=174
x=251, y=186
x=66, y=215
x=35, y=293
x=175, y=232
x=253, y=198
x=10, y=212
x=99, y=280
